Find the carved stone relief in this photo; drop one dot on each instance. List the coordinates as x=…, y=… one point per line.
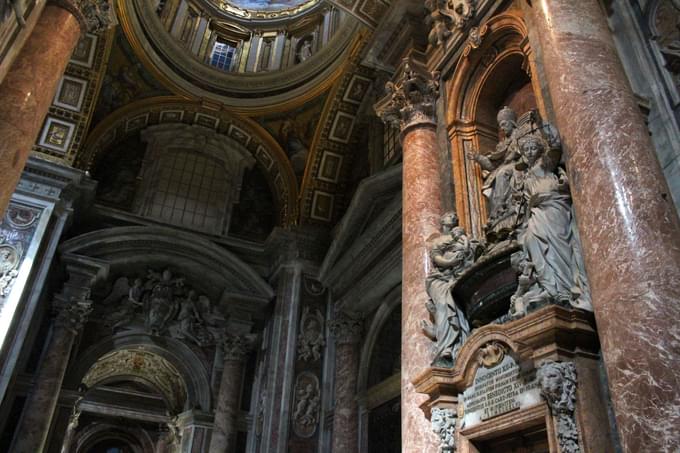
x=162, y=304
x=16, y=232
x=307, y=404
x=451, y=252
x=558, y=387
x=445, y=16
x=444, y=425
x=311, y=338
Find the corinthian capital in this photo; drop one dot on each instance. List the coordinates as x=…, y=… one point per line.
x=345, y=330
x=72, y=314
x=411, y=97
x=93, y=15
x=236, y=347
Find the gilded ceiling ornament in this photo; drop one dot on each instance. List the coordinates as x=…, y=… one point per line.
x=411, y=99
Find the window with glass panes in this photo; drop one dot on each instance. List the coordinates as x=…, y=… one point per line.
x=190, y=190
x=222, y=55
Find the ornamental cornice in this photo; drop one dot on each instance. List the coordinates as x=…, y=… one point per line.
x=411, y=96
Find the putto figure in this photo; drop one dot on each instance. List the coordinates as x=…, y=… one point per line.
x=451, y=252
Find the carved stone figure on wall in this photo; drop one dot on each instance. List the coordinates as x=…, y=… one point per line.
x=558, y=387
x=501, y=180
x=161, y=304
x=447, y=15
x=311, y=338
x=9, y=263
x=444, y=425
x=307, y=404
x=549, y=263
x=451, y=252
x=305, y=50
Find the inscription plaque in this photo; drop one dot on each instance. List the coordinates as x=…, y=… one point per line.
x=499, y=389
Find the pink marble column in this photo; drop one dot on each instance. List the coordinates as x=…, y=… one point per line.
x=27, y=91
x=411, y=104
x=228, y=401
x=347, y=334
x=42, y=401
x=629, y=228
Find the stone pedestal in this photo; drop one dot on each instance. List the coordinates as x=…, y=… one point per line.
x=29, y=86
x=411, y=105
x=72, y=307
x=629, y=228
x=553, y=349
x=228, y=401
x=347, y=334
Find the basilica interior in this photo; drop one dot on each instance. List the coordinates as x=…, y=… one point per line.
x=340, y=226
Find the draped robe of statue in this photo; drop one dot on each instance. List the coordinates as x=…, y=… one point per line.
x=548, y=239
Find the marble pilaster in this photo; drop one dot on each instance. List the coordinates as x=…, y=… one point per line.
x=347, y=334
x=410, y=104
x=28, y=88
x=235, y=348
x=629, y=228
x=72, y=307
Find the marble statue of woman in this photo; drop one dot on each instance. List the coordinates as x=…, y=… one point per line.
x=451, y=252
x=500, y=179
x=549, y=263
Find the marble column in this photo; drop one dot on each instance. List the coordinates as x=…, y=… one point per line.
x=629, y=228
x=410, y=104
x=72, y=307
x=235, y=348
x=347, y=334
x=27, y=91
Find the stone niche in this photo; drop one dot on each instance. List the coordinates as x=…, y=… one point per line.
x=533, y=382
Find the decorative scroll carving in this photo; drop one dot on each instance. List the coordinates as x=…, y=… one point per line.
x=311, y=338
x=444, y=425
x=451, y=252
x=16, y=233
x=94, y=15
x=411, y=99
x=162, y=304
x=307, y=404
x=558, y=387
x=475, y=38
x=345, y=330
x=73, y=314
x=549, y=263
x=445, y=16
x=237, y=347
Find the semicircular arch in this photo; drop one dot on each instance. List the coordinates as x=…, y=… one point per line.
x=137, y=116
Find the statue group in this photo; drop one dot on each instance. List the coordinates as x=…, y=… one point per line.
x=529, y=205
x=162, y=304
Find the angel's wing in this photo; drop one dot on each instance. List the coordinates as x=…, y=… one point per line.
x=120, y=289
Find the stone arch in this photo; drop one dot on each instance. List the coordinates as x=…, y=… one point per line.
x=383, y=313
x=192, y=376
x=268, y=154
x=125, y=247
x=475, y=93
x=93, y=434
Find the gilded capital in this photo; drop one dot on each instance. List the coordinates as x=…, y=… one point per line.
x=345, y=330
x=94, y=15
x=411, y=98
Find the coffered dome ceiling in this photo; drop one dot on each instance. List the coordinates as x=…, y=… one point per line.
x=250, y=56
